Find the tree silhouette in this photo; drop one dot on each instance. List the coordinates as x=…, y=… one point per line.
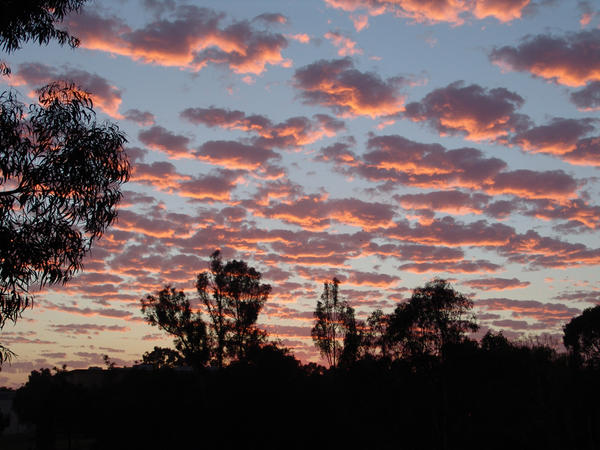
x=233, y=297
x=375, y=341
x=161, y=357
x=60, y=170
x=170, y=310
x=582, y=337
x=436, y=315
x=335, y=331
x=60, y=185
x=34, y=20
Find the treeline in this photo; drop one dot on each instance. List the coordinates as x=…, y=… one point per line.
x=411, y=379
x=231, y=297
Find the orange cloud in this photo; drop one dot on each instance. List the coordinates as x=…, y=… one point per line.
x=478, y=113
x=434, y=11
x=338, y=85
x=104, y=95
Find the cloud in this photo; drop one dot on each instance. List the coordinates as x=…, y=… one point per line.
x=543, y=252
x=142, y=118
x=161, y=139
x=473, y=111
x=271, y=18
x=496, y=284
x=434, y=11
x=316, y=213
x=346, y=46
x=587, y=13
x=452, y=202
x=414, y=252
x=105, y=96
x=572, y=59
x=293, y=132
x=191, y=37
x=449, y=232
x=588, y=98
x=550, y=313
x=394, y=160
x=586, y=152
x=558, y=137
x=86, y=328
x=478, y=266
x=234, y=155
x=533, y=184
x=216, y=186
x=336, y=84
x=577, y=212
x=161, y=175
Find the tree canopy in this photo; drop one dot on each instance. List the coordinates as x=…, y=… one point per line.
x=35, y=20
x=60, y=170
x=335, y=331
x=436, y=315
x=233, y=296
x=582, y=337
x=61, y=174
x=170, y=310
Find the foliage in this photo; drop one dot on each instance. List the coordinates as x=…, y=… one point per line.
x=170, y=310
x=34, y=20
x=60, y=179
x=582, y=337
x=335, y=331
x=161, y=357
x=375, y=343
x=233, y=296
x=436, y=315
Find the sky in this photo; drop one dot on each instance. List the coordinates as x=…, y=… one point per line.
x=383, y=142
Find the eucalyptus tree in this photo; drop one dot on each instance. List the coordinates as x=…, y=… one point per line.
x=60, y=170
x=233, y=296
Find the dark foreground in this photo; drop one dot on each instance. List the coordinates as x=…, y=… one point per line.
x=504, y=398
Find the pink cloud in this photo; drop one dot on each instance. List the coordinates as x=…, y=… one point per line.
x=396, y=159
x=216, y=186
x=452, y=202
x=162, y=175
x=449, y=232
x=346, y=46
x=294, y=132
x=161, y=139
x=234, y=155
x=549, y=313
x=588, y=98
x=190, y=38
x=539, y=251
x=533, y=184
x=105, y=96
x=87, y=328
x=434, y=11
x=496, y=284
x=316, y=213
x=586, y=152
x=336, y=84
x=479, y=266
x=572, y=59
x=559, y=137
